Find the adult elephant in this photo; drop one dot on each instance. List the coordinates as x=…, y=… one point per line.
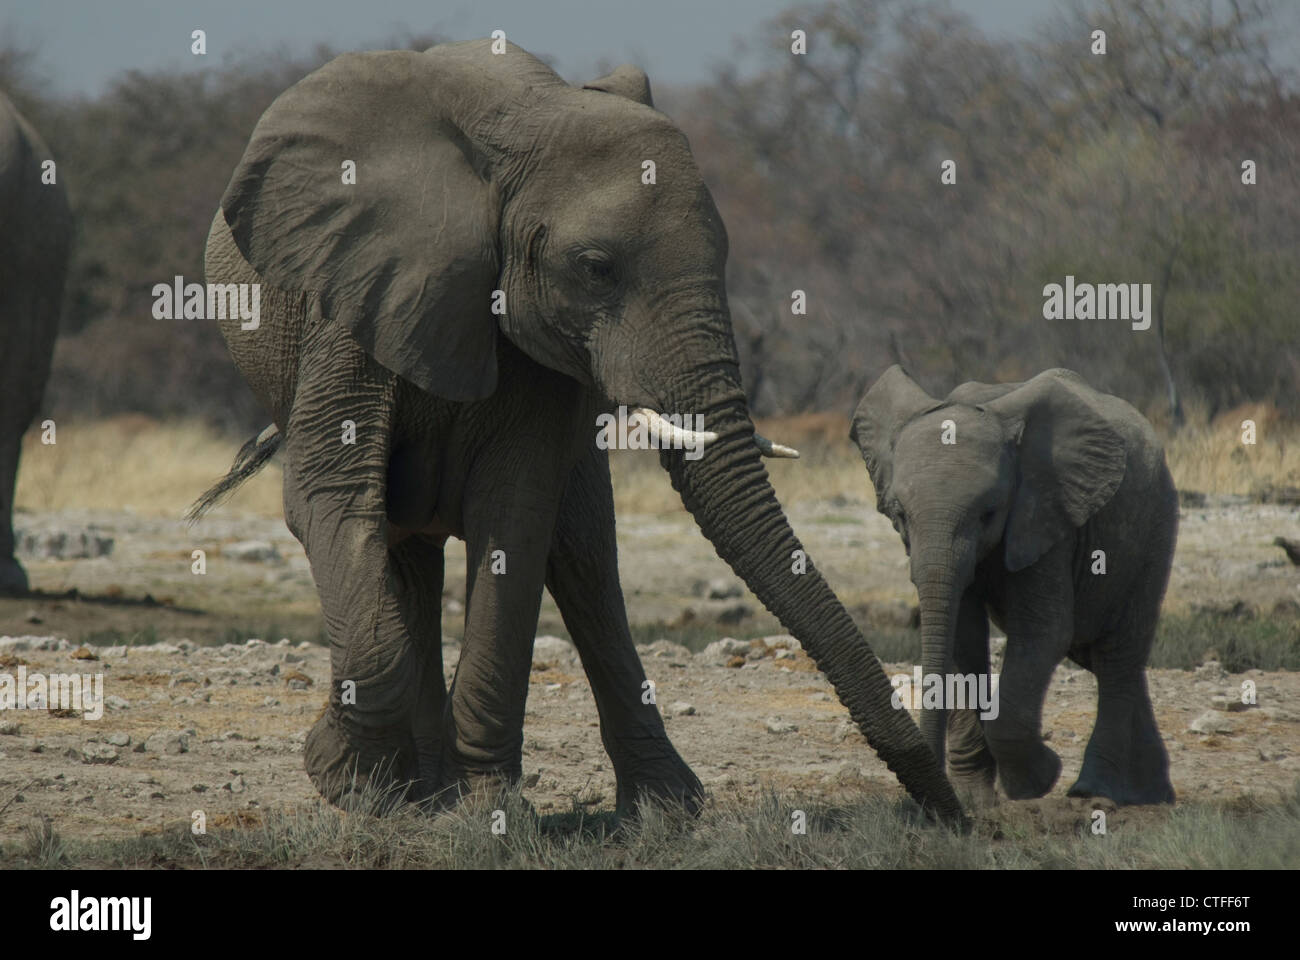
x=468, y=261
x=38, y=228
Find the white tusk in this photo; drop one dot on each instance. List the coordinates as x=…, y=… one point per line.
x=770, y=449
x=672, y=436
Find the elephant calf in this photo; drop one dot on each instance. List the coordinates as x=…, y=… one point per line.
x=1048, y=507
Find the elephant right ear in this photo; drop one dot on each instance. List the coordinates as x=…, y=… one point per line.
x=892, y=402
x=358, y=189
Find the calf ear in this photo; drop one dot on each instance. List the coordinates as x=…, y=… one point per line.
x=1071, y=461
x=626, y=81
x=891, y=403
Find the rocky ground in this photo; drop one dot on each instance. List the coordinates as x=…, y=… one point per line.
x=194, y=724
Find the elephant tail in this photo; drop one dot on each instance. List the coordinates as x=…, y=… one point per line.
x=252, y=457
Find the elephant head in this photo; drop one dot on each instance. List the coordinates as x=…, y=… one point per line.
x=435, y=201
x=1010, y=469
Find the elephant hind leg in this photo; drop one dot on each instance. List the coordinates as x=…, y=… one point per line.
x=337, y=448
x=1125, y=759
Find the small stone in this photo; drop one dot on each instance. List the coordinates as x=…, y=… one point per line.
x=10, y=728
x=1211, y=670
x=99, y=753
x=532, y=780
x=119, y=739
x=84, y=653
x=548, y=649
x=819, y=697
x=270, y=702
x=252, y=551
x=782, y=641
x=116, y=703
x=199, y=788
x=681, y=709
x=720, y=651
x=779, y=726
x=739, y=662
x=170, y=742
x=784, y=655
x=1211, y=722
x=722, y=589
x=1228, y=703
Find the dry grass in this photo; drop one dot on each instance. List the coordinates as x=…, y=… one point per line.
x=134, y=462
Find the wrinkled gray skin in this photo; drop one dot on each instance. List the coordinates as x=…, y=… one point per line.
x=478, y=172
x=38, y=232
x=1003, y=524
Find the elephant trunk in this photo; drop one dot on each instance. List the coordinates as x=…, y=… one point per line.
x=937, y=573
x=728, y=493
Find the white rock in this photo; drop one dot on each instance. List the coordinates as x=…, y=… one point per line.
x=777, y=725
x=782, y=641
x=170, y=742
x=1211, y=722
x=252, y=551
x=119, y=739
x=99, y=753
x=664, y=648
x=681, y=709
x=720, y=651
x=722, y=589
x=548, y=649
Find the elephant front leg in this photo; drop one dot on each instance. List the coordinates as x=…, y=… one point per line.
x=1036, y=643
x=13, y=580
x=582, y=575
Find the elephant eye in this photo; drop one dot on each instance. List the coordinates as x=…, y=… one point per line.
x=598, y=269
x=986, y=518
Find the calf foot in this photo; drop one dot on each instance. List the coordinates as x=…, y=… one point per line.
x=1027, y=771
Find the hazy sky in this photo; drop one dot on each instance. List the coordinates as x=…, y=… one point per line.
x=84, y=43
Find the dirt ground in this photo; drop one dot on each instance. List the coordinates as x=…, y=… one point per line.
x=213, y=680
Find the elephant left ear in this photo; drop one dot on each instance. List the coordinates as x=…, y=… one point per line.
x=626, y=81
x=1071, y=461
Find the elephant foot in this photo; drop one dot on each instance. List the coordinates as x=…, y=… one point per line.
x=13, y=579
x=1151, y=789
x=975, y=787
x=664, y=781
x=1028, y=771
x=352, y=765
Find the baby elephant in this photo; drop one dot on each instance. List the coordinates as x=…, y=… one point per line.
x=1048, y=507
